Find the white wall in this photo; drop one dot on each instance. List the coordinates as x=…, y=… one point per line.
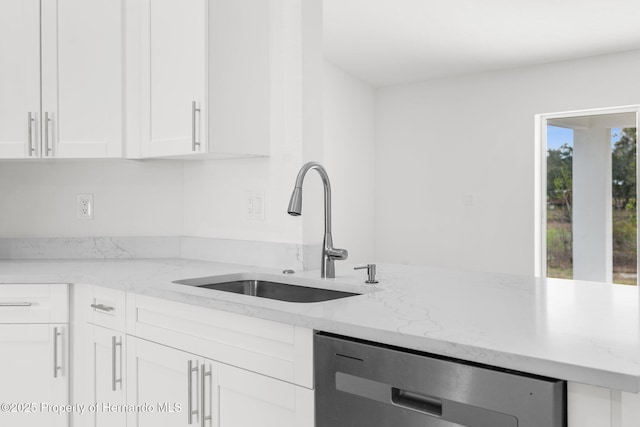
x=455, y=159
x=349, y=123
x=214, y=198
x=131, y=198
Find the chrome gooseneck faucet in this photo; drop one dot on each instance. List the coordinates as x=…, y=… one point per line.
x=329, y=253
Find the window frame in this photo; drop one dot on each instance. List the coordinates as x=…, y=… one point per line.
x=540, y=202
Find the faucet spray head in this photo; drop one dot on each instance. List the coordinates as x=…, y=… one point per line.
x=295, y=204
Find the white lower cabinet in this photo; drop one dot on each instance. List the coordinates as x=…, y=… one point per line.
x=248, y=399
x=34, y=374
x=169, y=387
x=99, y=357
x=34, y=355
x=590, y=406
x=108, y=370
x=160, y=385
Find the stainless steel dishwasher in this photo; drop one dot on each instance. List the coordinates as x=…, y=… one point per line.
x=362, y=384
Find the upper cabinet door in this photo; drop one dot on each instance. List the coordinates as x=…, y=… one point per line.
x=199, y=78
x=173, y=69
x=82, y=76
x=19, y=78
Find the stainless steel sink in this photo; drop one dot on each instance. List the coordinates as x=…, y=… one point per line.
x=269, y=289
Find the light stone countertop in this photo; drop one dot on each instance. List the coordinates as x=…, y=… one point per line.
x=578, y=331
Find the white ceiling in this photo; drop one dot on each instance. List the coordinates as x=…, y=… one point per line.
x=388, y=42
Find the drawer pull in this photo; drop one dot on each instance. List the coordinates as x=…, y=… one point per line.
x=15, y=304
x=102, y=307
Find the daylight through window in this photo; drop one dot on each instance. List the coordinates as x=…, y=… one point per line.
x=591, y=208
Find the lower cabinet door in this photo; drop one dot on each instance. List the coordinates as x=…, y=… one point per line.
x=163, y=387
x=108, y=369
x=249, y=399
x=169, y=387
x=34, y=375
x=591, y=406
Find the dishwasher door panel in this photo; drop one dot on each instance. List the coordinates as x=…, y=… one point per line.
x=361, y=384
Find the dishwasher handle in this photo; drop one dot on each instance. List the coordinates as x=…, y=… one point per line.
x=416, y=402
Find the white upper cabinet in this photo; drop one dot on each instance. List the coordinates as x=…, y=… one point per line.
x=191, y=77
x=82, y=75
x=173, y=70
x=61, y=80
x=19, y=78
x=203, y=78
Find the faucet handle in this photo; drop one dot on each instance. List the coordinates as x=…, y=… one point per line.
x=340, y=254
x=371, y=272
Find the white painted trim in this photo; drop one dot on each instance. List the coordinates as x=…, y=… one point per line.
x=591, y=112
x=540, y=184
x=540, y=179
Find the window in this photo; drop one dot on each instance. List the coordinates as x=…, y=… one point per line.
x=587, y=212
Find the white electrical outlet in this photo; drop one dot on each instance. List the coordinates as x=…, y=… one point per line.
x=84, y=206
x=254, y=205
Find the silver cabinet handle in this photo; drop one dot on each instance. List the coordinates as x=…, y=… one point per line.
x=30, y=122
x=190, y=371
x=102, y=307
x=15, y=304
x=47, y=149
x=56, y=368
x=194, y=142
x=114, y=379
x=203, y=395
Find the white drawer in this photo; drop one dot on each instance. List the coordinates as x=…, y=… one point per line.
x=37, y=303
x=107, y=308
x=270, y=348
